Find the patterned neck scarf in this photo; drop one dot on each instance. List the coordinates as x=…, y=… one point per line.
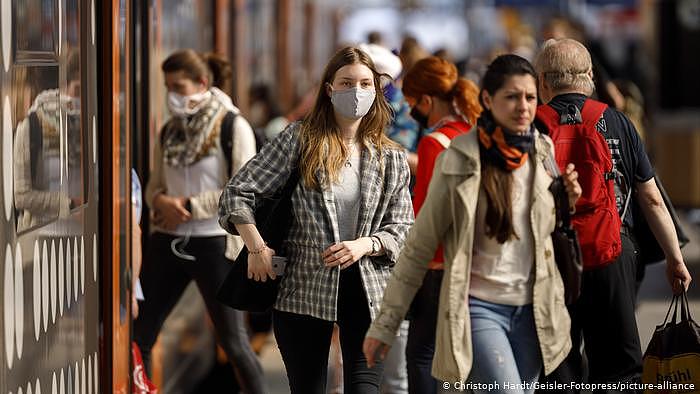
x=188, y=139
x=507, y=150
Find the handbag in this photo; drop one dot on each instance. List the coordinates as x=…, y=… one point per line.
x=140, y=383
x=671, y=362
x=273, y=218
x=567, y=251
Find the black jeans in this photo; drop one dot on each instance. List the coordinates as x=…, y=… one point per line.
x=164, y=278
x=304, y=342
x=604, y=317
x=421, y=335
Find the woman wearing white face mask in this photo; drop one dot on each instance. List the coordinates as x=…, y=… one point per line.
x=199, y=148
x=351, y=213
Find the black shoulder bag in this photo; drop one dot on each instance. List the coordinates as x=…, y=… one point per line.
x=567, y=251
x=273, y=218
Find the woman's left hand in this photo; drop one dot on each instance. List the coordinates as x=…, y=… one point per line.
x=573, y=189
x=346, y=253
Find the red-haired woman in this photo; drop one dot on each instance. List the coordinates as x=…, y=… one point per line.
x=448, y=104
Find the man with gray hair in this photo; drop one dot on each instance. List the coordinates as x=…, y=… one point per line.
x=604, y=313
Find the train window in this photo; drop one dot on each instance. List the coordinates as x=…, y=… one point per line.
x=49, y=159
x=76, y=155
x=38, y=149
x=36, y=28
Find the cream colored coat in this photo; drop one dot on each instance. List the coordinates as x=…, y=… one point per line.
x=447, y=217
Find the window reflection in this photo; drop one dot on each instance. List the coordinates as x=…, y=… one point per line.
x=35, y=24
x=49, y=147
x=74, y=133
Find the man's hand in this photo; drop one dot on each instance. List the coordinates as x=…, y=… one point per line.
x=677, y=275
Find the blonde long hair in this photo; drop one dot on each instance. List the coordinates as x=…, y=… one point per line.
x=322, y=146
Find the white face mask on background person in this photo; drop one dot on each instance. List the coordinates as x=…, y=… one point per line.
x=353, y=103
x=180, y=105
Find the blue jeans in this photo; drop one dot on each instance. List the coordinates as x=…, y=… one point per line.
x=421, y=335
x=505, y=346
x=395, y=380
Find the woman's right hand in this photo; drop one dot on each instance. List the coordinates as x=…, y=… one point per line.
x=374, y=350
x=170, y=211
x=260, y=265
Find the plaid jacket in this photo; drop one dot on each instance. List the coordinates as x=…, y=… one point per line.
x=308, y=287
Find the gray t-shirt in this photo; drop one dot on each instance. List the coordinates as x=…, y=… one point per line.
x=347, y=199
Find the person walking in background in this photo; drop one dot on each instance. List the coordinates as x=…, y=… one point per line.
x=403, y=129
x=489, y=206
x=442, y=101
x=604, y=314
x=351, y=212
x=200, y=147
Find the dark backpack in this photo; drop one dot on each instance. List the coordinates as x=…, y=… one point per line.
x=596, y=220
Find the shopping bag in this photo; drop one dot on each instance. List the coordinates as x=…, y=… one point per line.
x=672, y=359
x=141, y=383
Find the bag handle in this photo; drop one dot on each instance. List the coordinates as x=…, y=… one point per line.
x=685, y=307
x=681, y=299
x=674, y=306
x=563, y=207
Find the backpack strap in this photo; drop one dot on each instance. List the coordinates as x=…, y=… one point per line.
x=549, y=116
x=226, y=139
x=441, y=138
x=592, y=111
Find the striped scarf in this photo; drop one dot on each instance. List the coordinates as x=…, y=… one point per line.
x=507, y=150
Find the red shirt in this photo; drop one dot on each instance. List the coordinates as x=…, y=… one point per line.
x=428, y=150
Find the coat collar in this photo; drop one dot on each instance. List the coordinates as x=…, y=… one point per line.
x=468, y=145
x=463, y=159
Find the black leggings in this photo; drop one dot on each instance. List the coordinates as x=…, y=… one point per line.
x=164, y=278
x=304, y=342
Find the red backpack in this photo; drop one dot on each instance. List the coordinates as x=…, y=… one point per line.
x=596, y=220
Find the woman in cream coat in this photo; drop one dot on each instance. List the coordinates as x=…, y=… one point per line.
x=495, y=270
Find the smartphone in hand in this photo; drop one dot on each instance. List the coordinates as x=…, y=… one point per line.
x=278, y=265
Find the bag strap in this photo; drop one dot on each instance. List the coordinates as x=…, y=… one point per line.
x=674, y=302
x=685, y=307
x=563, y=206
x=549, y=117
x=441, y=138
x=592, y=111
x=627, y=205
x=226, y=139
x=681, y=299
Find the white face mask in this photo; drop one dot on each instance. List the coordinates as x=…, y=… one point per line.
x=353, y=103
x=180, y=105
